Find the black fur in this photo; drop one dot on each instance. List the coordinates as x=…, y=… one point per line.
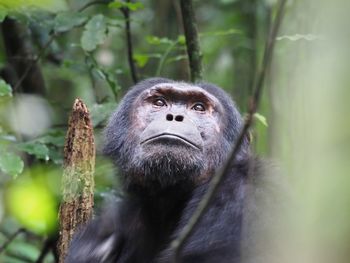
x=140, y=227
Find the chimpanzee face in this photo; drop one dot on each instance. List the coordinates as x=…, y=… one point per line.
x=174, y=132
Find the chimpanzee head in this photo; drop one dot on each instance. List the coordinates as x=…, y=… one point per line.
x=167, y=133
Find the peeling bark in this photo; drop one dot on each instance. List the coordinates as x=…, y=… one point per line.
x=78, y=181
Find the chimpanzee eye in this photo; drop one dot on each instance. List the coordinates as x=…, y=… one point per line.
x=159, y=102
x=198, y=107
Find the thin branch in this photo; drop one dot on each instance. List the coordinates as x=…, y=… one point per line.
x=192, y=40
x=126, y=13
x=112, y=85
x=48, y=244
x=11, y=238
x=18, y=257
x=178, y=243
x=164, y=57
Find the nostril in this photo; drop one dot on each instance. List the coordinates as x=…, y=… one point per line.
x=179, y=118
x=169, y=117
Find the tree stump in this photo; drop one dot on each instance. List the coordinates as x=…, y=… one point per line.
x=78, y=180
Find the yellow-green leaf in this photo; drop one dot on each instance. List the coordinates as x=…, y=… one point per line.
x=261, y=119
x=5, y=89
x=141, y=59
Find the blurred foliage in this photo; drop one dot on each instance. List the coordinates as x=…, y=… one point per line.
x=310, y=131
x=33, y=199
x=50, y=5
x=5, y=89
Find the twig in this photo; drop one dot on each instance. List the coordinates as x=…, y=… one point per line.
x=11, y=238
x=50, y=243
x=178, y=243
x=164, y=57
x=18, y=257
x=192, y=40
x=126, y=12
x=105, y=75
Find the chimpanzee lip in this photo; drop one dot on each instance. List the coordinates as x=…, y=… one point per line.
x=170, y=136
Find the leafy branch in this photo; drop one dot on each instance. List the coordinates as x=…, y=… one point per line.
x=172, y=45
x=55, y=32
x=92, y=64
x=94, y=34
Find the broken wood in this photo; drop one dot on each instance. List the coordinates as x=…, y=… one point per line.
x=78, y=176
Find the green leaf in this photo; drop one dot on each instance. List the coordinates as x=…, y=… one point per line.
x=40, y=18
x=54, y=137
x=101, y=112
x=153, y=40
x=37, y=149
x=116, y=4
x=23, y=248
x=56, y=155
x=3, y=14
x=141, y=59
x=296, y=37
x=230, y=31
x=176, y=58
x=261, y=119
x=95, y=33
x=181, y=40
x=33, y=5
x=115, y=21
x=65, y=21
x=134, y=6
x=131, y=6
x=11, y=163
x=5, y=89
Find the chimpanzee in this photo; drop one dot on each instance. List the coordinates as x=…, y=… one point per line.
x=168, y=139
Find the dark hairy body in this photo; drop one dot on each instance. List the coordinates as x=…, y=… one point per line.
x=168, y=138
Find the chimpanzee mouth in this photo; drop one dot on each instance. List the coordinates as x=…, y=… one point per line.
x=170, y=138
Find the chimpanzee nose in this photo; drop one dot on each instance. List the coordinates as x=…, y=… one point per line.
x=170, y=117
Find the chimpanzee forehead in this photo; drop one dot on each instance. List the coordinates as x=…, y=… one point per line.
x=182, y=90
